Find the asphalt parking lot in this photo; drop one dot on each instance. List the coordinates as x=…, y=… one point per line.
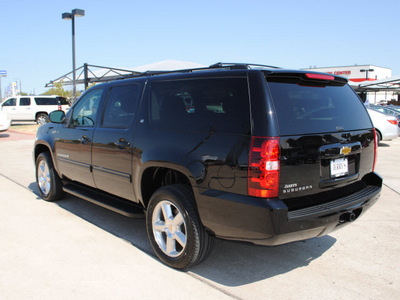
x=75, y=250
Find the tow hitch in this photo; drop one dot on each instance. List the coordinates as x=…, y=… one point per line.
x=349, y=216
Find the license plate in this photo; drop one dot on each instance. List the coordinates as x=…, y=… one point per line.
x=339, y=167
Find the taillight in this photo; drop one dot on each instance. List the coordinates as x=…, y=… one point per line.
x=375, y=150
x=394, y=122
x=264, y=167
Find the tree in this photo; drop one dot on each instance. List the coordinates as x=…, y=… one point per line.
x=58, y=90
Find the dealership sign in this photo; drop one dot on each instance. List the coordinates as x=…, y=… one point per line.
x=3, y=73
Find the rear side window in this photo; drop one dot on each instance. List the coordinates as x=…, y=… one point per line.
x=121, y=105
x=219, y=105
x=46, y=101
x=63, y=100
x=303, y=109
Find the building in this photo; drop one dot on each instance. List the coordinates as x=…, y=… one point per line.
x=360, y=75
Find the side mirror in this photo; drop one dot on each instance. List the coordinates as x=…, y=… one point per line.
x=57, y=116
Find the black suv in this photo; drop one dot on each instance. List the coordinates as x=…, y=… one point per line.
x=233, y=151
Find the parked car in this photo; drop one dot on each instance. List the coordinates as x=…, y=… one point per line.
x=387, y=126
x=33, y=108
x=264, y=155
x=394, y=107
x=387, y=111
x=4, y=121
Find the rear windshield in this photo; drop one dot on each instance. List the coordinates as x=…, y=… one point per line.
x=303, y=109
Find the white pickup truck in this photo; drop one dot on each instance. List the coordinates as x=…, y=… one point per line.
x=33, y=108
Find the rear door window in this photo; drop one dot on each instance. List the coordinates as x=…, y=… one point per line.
x=220, y=105
x=25, y=101
x=307, y=109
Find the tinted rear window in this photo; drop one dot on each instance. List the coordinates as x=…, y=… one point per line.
x=46, y=101
x=220, y=105
x=305, y=109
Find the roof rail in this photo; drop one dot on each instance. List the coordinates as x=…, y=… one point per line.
x=240, y=66
x=214, y=66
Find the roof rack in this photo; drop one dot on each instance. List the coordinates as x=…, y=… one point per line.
x=213, y=66
x=240, y=66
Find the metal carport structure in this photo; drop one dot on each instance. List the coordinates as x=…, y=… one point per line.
x=94, y=74
x=391, y=84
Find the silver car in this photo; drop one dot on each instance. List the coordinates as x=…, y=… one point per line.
x=386, y=125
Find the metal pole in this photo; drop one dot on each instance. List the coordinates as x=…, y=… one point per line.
x=73, y=59
x=85, y=68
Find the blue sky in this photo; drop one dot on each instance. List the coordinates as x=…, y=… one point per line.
x=35, y=43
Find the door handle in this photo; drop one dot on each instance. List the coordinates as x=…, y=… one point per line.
x=84, y=140
x=122, y=143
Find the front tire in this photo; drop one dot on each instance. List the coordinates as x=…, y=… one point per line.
x=49, y=184
x=174, y=229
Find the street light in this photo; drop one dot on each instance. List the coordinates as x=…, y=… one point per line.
x=366, y=72
x=71, y=16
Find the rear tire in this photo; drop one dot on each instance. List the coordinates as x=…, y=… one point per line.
x=42, y=119
x=174, y=229
x=48, y=182
x=378, y=137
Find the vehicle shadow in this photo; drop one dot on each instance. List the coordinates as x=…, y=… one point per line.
x=382, y=144
x=235, y=264
x=230, y=263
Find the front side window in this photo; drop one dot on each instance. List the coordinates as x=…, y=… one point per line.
x=121, y=105
x=218, y=105
x=10, y=102
x=85, y=111
x=25, y=101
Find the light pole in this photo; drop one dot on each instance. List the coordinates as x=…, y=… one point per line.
x=366, y=72
x=71, y=16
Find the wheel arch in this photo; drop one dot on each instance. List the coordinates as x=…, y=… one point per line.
x=41, y=147
x=41, y=112
x=157, y=175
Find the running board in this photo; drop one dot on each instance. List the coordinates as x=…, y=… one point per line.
x=109, y=202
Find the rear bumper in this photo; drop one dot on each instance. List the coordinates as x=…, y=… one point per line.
x=268, y=222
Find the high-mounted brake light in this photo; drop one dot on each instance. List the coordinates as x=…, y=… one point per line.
x=264, y=167
x=319, y=76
